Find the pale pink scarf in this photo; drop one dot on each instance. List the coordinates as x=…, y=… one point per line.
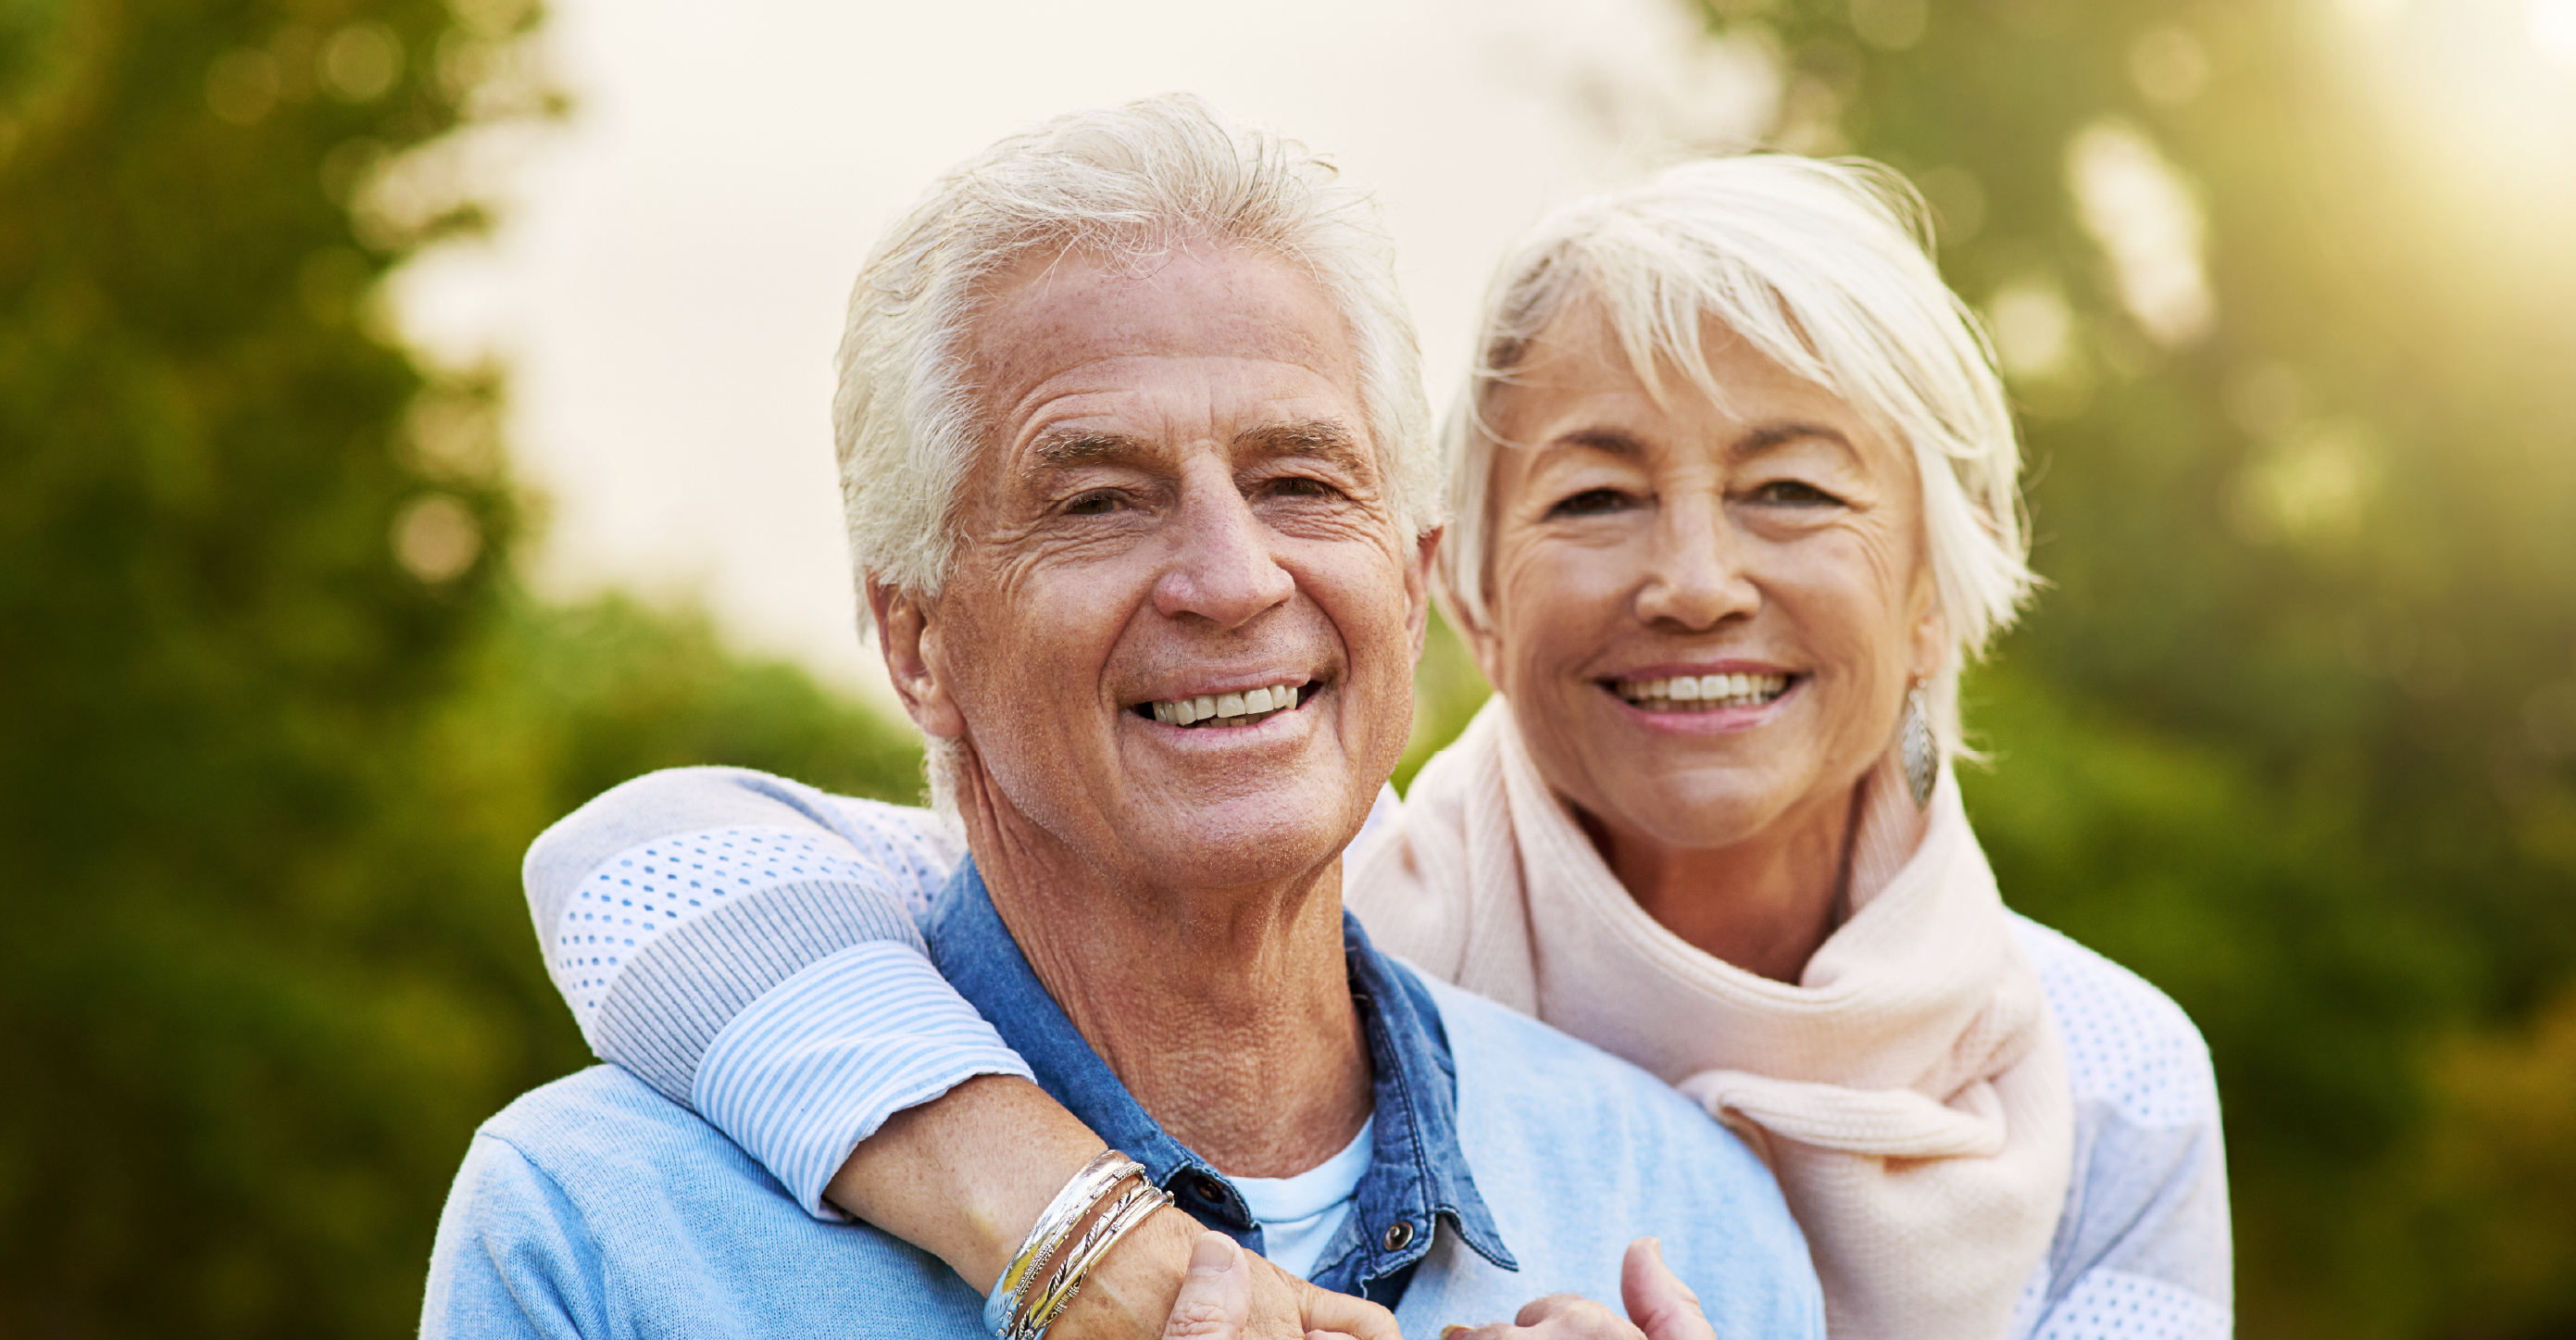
x=1910, y=1091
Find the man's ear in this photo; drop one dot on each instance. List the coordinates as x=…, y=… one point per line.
x=908, y=633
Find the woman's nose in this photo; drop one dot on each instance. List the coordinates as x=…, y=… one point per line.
x=1221, y=567
x=1695, y=576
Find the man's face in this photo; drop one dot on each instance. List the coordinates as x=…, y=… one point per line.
x=1178, y=501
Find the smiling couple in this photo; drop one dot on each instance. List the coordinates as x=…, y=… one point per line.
x=1147, y=511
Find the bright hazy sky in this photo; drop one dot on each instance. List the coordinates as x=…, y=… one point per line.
x=668, y=280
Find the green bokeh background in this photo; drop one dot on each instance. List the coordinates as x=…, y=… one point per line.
x=2303, y=754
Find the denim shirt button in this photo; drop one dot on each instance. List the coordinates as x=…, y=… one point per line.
x=1206, y=1188
x=1398, y=1234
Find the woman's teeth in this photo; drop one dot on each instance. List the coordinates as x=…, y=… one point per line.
x=1228, y=709
x=1701, y=693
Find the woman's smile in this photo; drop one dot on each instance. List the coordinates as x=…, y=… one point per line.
x=1703, y=703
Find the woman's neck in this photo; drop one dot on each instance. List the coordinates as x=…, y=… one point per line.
x=1764, y=904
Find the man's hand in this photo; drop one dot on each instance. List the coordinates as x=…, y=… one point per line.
x=1143, y=1287
x=1660, y=1307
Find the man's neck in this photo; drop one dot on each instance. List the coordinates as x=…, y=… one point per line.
x=1226, y=1013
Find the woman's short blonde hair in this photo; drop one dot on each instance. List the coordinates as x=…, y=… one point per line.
x=1823, y=266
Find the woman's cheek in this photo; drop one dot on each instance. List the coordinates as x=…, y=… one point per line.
x=1523, y=609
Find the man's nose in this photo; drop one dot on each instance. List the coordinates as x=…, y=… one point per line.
x=1222, y=566
x=1696, y=574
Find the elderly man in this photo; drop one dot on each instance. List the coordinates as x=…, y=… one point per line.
x=1139, y=491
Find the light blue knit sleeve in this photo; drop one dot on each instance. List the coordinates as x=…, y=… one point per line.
x=682, y=903
x=2143, y=1248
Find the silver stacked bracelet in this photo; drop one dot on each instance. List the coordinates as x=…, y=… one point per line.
x=1019, y=1310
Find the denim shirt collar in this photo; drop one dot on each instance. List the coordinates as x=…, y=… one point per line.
x=1417, y=1180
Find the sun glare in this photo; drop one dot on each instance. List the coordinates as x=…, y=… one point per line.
x=2476, y=103
x=2553, y=31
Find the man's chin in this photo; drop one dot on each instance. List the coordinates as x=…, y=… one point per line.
x=1237, y=837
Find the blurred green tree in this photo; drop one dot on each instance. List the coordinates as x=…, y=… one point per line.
x=2291, y=732
x=279, y=723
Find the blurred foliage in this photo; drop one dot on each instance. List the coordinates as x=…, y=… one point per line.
x=278, y=724
x=1447, y=690
x=2291, y=734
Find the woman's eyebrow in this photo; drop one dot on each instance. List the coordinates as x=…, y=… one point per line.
x=1773, y=436
x=1611, y=441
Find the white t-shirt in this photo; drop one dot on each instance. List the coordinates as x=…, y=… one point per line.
x=1299, y=1215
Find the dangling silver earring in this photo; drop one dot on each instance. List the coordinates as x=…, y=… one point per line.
x=1921, y=752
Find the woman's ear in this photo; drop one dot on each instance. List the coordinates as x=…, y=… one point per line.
x=1929, y=644
x=1419, y=578
x=908, y=635
x=1478, y=634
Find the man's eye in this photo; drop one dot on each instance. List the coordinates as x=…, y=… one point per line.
x=1794, y=493
x=1298, y=486
x=1591, y=502
x=1094, y=503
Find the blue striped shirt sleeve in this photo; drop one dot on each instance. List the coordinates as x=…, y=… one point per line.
x=704, y=905
x=816, y=1064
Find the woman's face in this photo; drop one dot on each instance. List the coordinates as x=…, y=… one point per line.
x=1704, y=616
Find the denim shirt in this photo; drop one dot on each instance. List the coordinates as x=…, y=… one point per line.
x=1417, y=1184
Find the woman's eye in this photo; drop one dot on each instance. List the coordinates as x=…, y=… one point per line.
x=1794, y=493
x=1590, y=502
x=1298, y=486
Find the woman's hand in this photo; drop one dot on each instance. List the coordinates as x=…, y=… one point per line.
x=928, y=1177
x=1215, y=1302
x=1660, y=1307
x=1168, y=1279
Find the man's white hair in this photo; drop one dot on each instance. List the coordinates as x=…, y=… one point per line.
x=1823, y=267
x=1129, y=183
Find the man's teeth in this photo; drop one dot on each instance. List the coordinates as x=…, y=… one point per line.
x=1233, y=709
x=1704, y=691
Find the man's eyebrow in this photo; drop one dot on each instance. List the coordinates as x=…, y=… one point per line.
x=1304, y=437
x=1075, y=446
x=1327, y=438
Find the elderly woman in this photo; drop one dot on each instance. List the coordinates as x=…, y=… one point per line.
x=1734, y=501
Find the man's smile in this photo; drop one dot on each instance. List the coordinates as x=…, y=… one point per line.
x=1246, y=708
